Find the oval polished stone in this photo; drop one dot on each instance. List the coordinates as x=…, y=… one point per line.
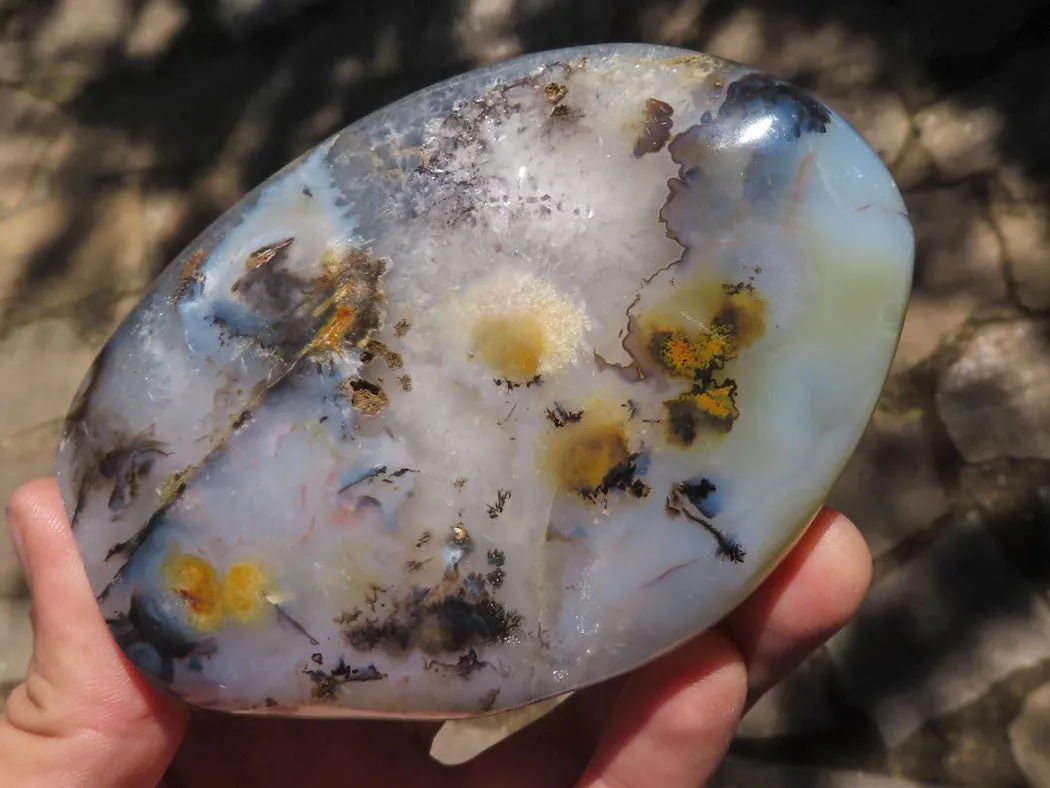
x=501, y=391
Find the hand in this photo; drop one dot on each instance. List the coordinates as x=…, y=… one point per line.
x=85, y=717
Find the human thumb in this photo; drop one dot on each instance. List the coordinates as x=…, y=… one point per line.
x=83, y=716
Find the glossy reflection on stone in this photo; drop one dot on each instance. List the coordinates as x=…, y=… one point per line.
x=502, y=391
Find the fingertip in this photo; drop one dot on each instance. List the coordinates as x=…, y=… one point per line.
x=675, y=718
x=34, y=497
x=83, y=707
x=847, y=554
x=816, y=589
x=37, y=523
x=823, y=580
x=51, y=560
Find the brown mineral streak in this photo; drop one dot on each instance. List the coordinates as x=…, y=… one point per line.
x=366, y=397
x=357, y=299
x=190, y=273
x=391, y=357
x=656, y=128
x=687, y=60
x=555, y=92
x=667, y=573
x=267, y=253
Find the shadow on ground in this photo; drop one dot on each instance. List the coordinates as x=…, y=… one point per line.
x=169, y=117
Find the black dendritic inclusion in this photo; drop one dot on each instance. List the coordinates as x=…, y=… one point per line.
x=327, y=683
x=559, y=416
x=795, y=113
x=289, y=315
x=511, y=385
x=437, y=621
x=448, y=624
x=126, y=465
x=623, y=476
x=273, y=295
x=464, y=666
x=686, y=498
x=496, y=559
x=152, y=644
x=496, y=509
x=474, y=585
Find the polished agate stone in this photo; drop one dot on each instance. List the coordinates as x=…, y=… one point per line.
x=503, y=390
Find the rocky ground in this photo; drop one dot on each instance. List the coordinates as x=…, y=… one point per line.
x=127, y=125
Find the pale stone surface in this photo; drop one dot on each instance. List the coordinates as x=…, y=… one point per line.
x=737, y=772
x=1030, y=737
x=890, y=484
x=939, y=631
x=866, y=71
x=570, y=344
x=994, y=398
x=881, y=118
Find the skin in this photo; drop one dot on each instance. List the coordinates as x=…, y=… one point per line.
x=84, y=717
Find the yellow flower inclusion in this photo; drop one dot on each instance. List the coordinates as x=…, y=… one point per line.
x=193, y=581
x=513, y=347
x=244, y=592
x=207, y=601
x=521, y=327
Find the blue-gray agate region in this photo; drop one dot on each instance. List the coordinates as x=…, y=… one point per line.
x=499, y=392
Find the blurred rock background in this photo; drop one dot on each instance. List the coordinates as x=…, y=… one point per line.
x=126, y=126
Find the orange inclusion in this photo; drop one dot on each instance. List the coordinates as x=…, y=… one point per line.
x=244, y=591
x=193, y=581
